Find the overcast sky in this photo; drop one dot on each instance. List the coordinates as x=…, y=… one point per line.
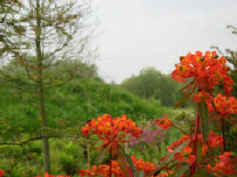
x=142, y=33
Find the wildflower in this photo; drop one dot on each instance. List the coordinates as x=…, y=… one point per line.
x=1, y=173
x=104, y=170
x=226, y=165
x=207, y=71
x=215, y=140
x=225, y=105
x=141, y=165
x=164, y=123
x=112, y=131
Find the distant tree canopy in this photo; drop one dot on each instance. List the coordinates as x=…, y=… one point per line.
x=63, y=70
x=151, y=83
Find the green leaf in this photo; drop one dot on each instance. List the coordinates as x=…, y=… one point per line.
x=180, y=172
x=102, y=154
x=129, y=160
x=139, y=174
x=125, y=168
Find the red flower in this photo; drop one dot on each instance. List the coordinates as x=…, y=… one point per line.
x=226, y=165
x=112, y=130
x=104, y=170
x=164, y=122
x=225, y=105
x=48, y=175
x=215, y=140
x=206, y=70
x=141, y=165
x=1, y=173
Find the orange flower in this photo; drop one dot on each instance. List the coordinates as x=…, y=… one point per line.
x=48, y=175
x=206, y=70
x=164, y=123
x=215, y=140
x=141, y=165
x=225, y=105
x=104, y=170
x=226, y=165
x=112, y=130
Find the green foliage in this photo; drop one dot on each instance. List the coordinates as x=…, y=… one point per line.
x=69, y=106
x=152, y=84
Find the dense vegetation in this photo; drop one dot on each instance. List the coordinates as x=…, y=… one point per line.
x=68, y=106
x=57, y=116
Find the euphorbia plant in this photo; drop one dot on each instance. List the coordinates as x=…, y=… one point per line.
x=202, y=152
x=114, y=133
x=209, y=86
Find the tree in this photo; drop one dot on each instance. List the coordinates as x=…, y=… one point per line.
x=34, y=36
x=151, y=83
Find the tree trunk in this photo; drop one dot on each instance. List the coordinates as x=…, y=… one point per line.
x=46, y=148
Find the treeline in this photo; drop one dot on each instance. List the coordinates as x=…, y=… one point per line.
x=152, y=84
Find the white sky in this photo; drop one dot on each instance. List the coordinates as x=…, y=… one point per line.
x=141, y=33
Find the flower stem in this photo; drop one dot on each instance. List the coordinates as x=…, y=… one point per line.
x=110, y=169
x=195, y=138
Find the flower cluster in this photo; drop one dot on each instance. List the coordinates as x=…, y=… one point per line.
x=48, y=175
x=112, y=130
x=141, y=165
x=215, y=140
x=104, y=170
x=207, y=70
x=226, y=165
x=205, y=75
x=164, y=122
x=187, y=154
x=225, y=105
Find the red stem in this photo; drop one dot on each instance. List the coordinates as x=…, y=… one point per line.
x=195, y=138
x=110, y=169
